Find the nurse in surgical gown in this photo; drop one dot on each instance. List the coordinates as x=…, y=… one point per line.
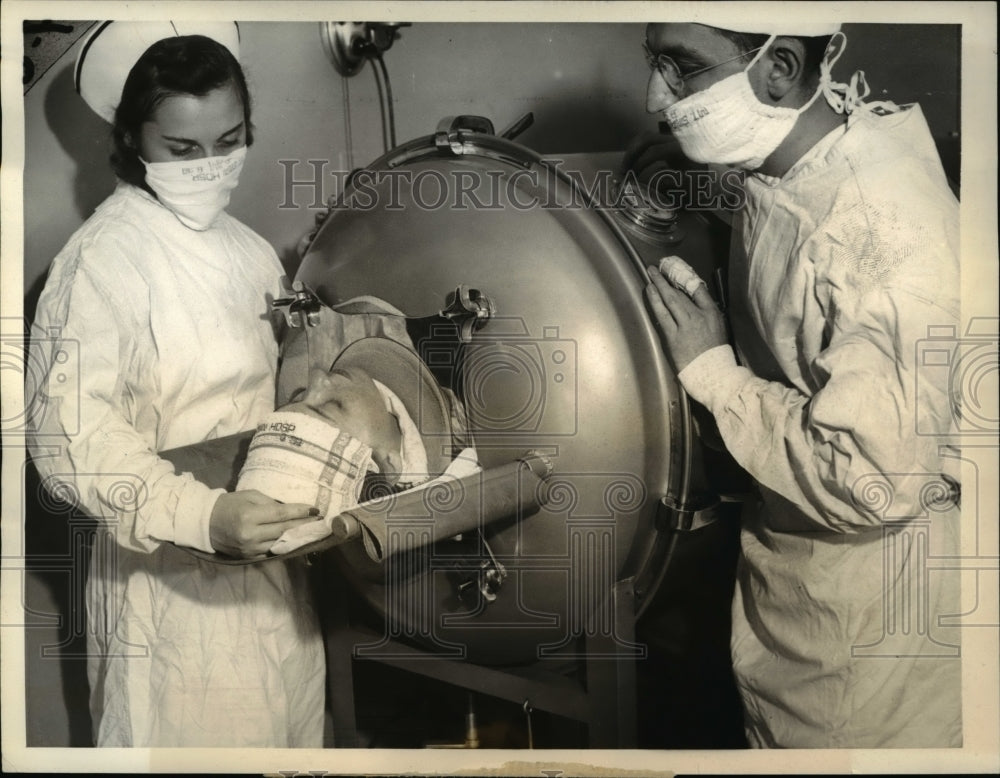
x=164, y=311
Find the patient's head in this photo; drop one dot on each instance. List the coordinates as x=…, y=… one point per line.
x=348, y=399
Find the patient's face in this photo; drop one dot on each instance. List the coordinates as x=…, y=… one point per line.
x=348, y=399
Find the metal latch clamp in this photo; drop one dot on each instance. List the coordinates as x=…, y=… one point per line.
x=301, y=308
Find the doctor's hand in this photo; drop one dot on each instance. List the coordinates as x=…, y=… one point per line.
x=690, y=325
x=246, y=523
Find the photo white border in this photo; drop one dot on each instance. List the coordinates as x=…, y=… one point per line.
x=980, y=298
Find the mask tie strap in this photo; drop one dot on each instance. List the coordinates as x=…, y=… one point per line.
x=760, y=53
x=831, y=89
x=846, y=98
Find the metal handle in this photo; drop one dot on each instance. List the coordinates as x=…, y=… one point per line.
x=518, y=126
x=448, y=136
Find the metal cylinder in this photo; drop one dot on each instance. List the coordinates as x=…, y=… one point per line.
x=568, y=363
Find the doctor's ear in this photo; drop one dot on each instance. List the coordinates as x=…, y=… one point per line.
x=787, y=72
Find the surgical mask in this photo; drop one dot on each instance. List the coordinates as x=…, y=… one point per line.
x=726, y=124
x=196, y=190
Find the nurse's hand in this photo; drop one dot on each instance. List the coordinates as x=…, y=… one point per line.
x=246, y=523
x=690, y=325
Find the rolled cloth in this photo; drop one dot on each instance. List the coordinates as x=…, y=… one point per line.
x=294, y=457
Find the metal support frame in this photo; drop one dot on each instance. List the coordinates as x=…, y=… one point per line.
x=607, y=705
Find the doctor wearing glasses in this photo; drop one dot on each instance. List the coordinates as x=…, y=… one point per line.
x=844, y=252
x=166, y=295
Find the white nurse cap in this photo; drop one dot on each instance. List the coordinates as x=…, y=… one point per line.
x=112, y=48
x=796, y=29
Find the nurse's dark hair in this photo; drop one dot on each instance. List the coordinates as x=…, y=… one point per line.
x=187, y=64
x=814, y=47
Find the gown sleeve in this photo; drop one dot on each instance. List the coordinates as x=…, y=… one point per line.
x=874, y=428
x=81, y=438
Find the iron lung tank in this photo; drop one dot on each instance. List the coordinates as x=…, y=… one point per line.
x=525, y=299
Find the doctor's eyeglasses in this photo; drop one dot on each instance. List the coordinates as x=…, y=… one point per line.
x=671, y=73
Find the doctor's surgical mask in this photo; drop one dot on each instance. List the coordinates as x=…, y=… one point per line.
x=726, y=124
x=198, y=190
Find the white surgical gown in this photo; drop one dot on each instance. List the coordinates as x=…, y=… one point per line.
x=844, y=616
x=150, y=336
